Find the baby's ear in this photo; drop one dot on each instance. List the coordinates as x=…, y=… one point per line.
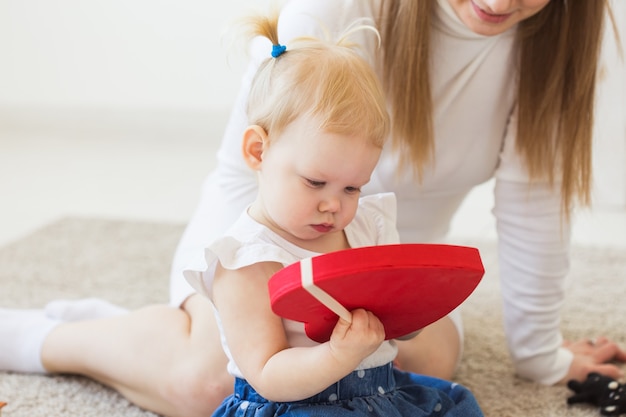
x=254, y=143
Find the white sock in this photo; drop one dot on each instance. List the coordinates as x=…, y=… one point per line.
x=22, y=333
x=83, y=309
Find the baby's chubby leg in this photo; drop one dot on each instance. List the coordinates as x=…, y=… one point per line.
x=22, y=332
x=436, y=351
x=165, y=359
x=83, y=309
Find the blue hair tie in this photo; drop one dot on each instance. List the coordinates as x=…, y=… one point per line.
x=278, y=50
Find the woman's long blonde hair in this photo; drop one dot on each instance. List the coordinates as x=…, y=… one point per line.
x=559, y=51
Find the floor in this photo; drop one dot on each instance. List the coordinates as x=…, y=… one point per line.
x=151, y=168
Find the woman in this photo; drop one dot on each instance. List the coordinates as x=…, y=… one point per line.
x=477, y=89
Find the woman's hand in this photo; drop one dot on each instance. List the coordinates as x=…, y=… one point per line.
x=594, y=356
x=353, y=342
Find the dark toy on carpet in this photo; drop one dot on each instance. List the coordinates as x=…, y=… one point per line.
x=602, y=391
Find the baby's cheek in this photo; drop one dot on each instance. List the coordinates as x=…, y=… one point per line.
x=349, y=212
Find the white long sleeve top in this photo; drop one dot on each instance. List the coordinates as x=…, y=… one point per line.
x=474, y=86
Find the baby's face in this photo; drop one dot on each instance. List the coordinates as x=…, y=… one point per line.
x=310, y=182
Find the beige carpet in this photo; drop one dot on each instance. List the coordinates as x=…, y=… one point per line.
x=128, y=262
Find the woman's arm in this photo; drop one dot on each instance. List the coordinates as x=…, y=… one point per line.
x=534, y=262
x=533, y=249
x=257, y=341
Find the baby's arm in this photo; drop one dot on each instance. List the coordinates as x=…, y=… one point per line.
x=257, y=340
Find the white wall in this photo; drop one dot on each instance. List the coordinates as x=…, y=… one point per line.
x=130, y=56
x=610, y=133
x=117, y=53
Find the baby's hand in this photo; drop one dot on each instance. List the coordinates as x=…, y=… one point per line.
x=354, y=341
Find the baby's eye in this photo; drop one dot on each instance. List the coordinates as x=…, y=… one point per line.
x=315, y=184
x=352, y=190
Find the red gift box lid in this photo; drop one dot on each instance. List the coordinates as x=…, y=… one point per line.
x=407, y=286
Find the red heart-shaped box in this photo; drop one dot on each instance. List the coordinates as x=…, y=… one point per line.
x=407, y=286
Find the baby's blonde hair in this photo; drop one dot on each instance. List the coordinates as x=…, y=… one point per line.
x=317, y=78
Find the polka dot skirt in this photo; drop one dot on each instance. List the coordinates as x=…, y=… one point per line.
x=383, y=391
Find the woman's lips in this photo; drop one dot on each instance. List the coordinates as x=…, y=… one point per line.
x=487, y=17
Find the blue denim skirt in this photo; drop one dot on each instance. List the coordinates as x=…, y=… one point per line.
x=383, y=391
